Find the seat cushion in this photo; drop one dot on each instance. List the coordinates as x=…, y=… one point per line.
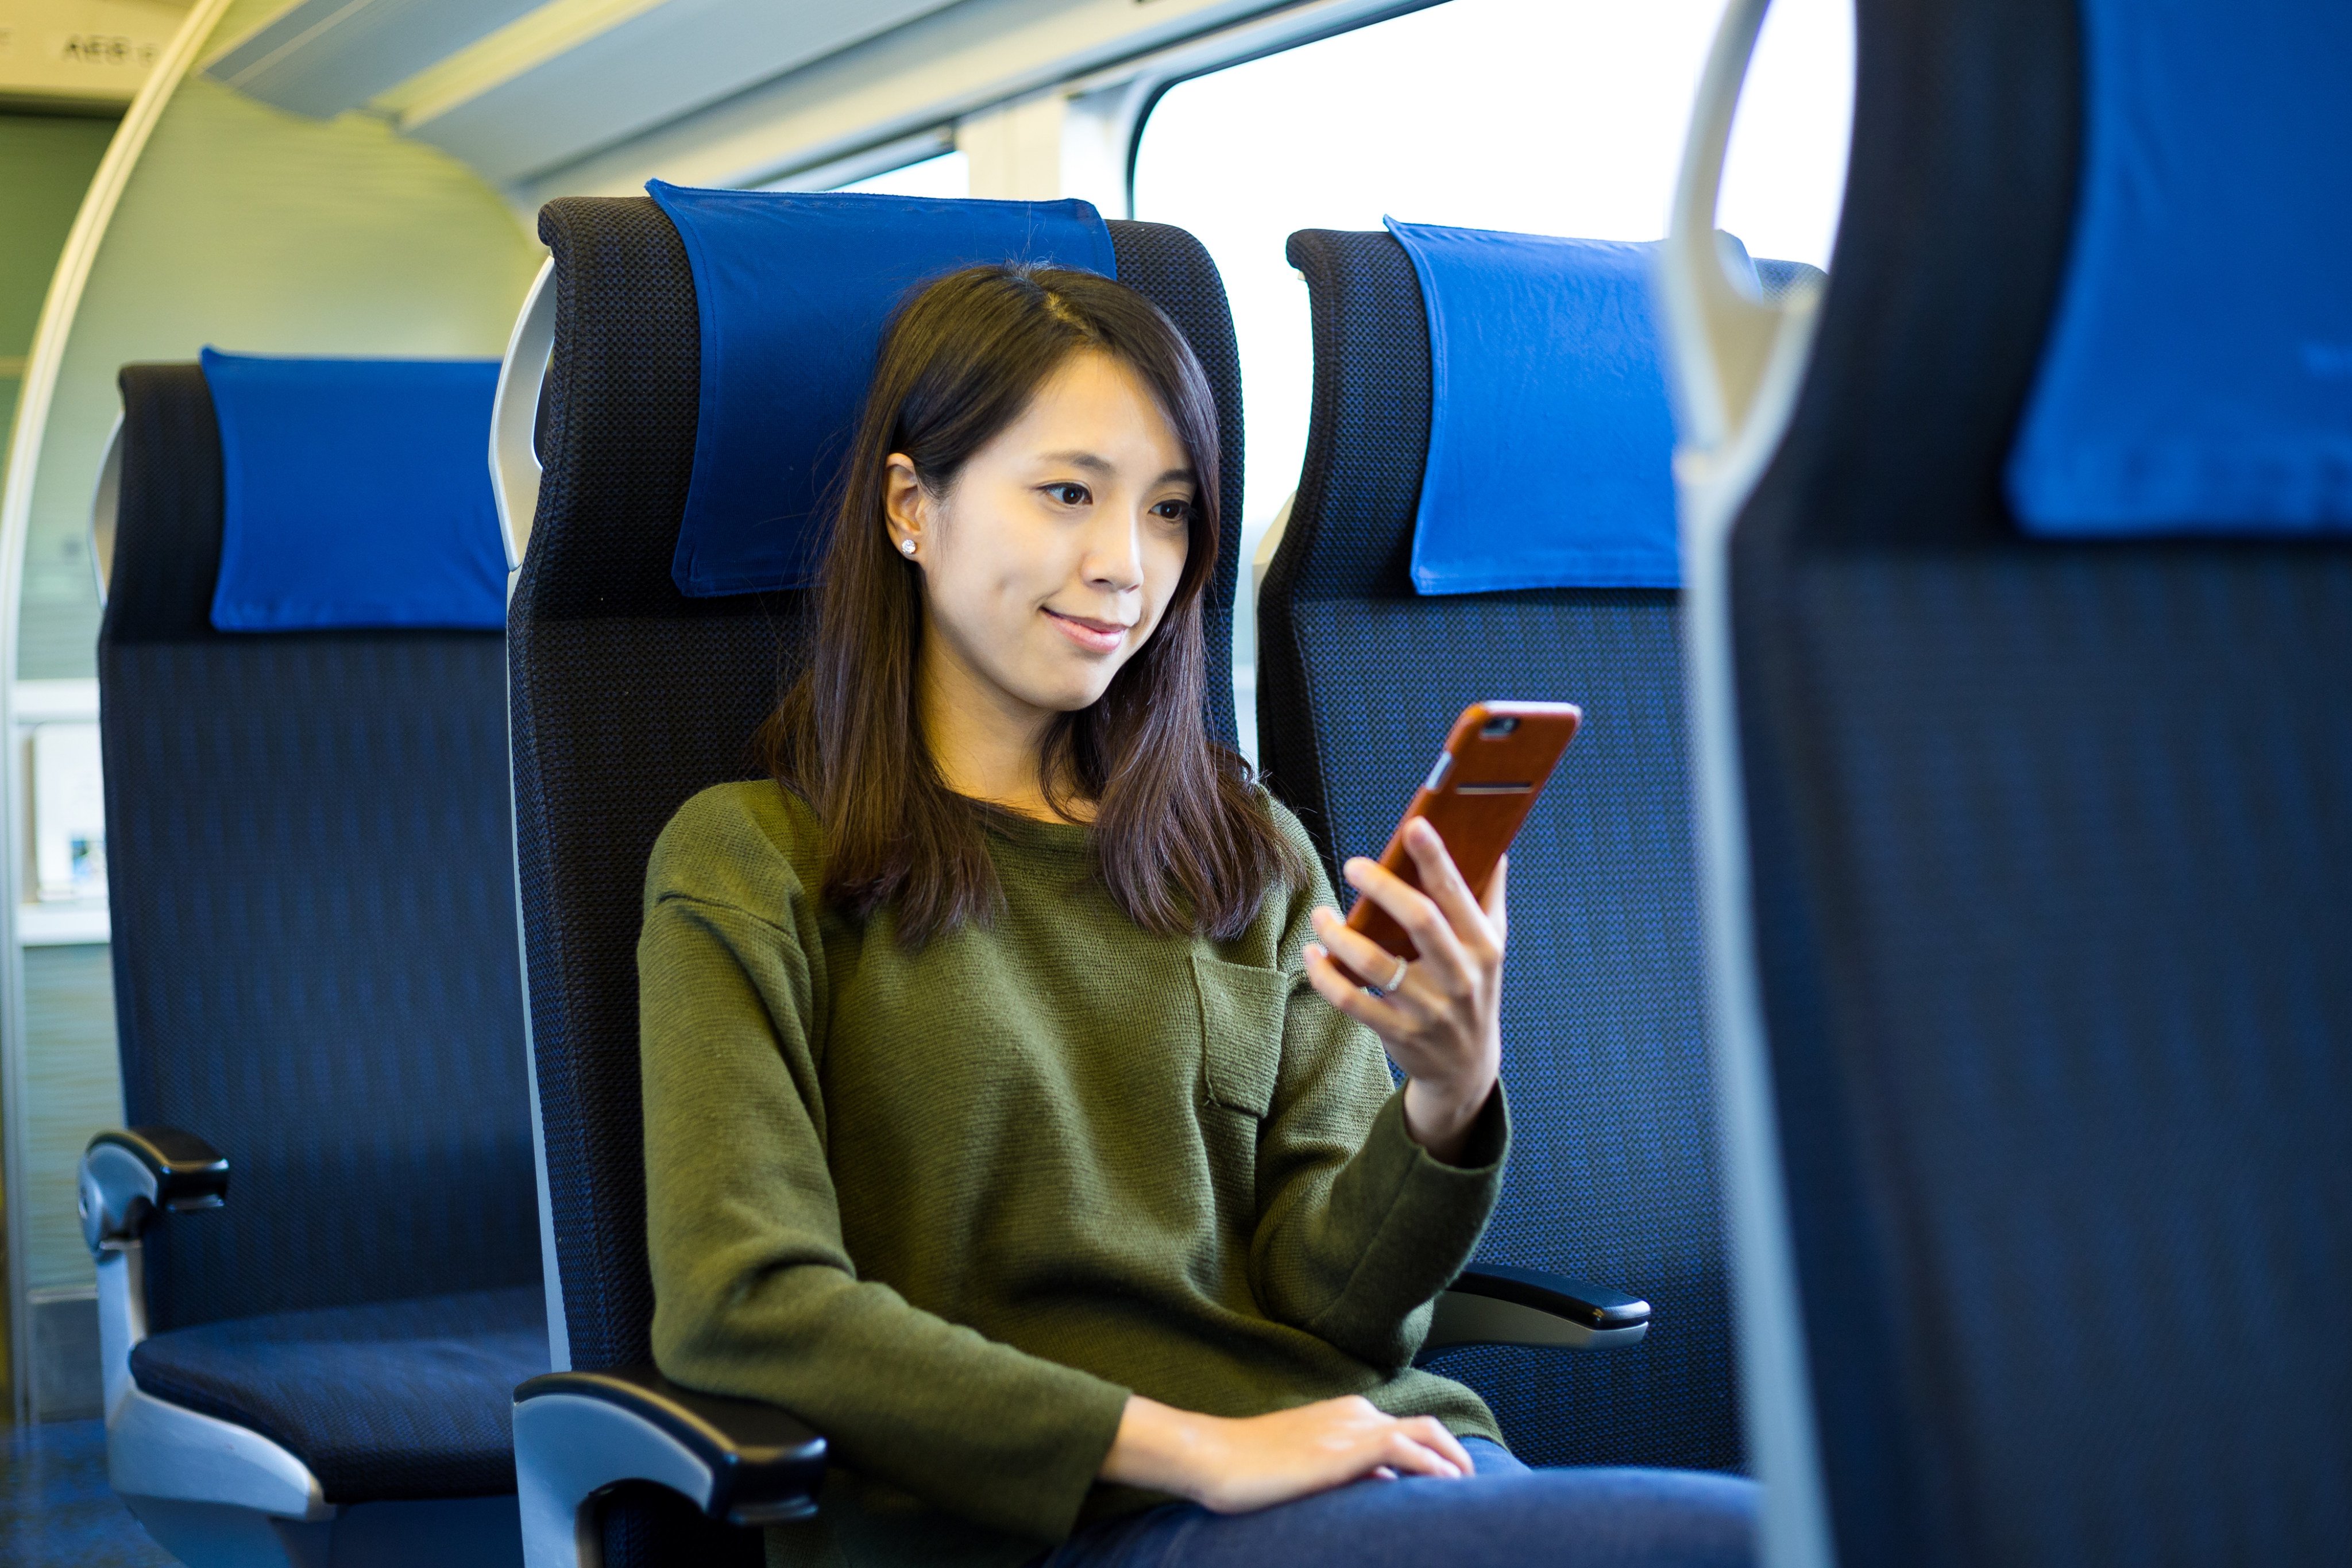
x=394, y=1399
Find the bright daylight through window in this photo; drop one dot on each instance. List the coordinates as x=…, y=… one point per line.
x=945, y=174
x=1546, y=116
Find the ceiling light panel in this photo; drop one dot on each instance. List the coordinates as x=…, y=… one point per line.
x=321, y=57
x=580, y=75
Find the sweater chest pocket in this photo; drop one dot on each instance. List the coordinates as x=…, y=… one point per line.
x=1242, y=1009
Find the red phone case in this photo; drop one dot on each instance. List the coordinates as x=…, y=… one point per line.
x=1495, y=764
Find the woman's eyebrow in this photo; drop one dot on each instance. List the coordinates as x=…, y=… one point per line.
x=1094, y=464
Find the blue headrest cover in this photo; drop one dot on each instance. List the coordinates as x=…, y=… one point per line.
x=355, y=492
x=1551, y=441
x=793, y=289
x=2198, y=375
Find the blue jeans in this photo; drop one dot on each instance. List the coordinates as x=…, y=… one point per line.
x=1506, y=1516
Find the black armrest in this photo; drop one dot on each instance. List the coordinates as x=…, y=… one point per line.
x=742, y=1460
x=1597, y=1307
x=128, y=1173
x=1491, y=1304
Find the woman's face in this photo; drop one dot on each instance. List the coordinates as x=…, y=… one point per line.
x=1051, y=557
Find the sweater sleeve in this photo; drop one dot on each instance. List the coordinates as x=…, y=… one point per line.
x=1359, y=1226
x=755, y=1294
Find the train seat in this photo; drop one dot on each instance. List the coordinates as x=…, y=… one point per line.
x=1360, y=675
x=2024, y=631
x=317, y=980
x=629, y=695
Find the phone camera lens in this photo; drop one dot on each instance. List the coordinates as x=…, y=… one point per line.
x=1494, y=727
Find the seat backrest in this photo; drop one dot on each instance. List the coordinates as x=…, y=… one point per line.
x=2048, y=839
x=628, y=697
x=315, y=961
x=1613, y=1168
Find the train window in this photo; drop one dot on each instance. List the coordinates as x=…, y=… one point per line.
x=1547, y=116
x=948, y=175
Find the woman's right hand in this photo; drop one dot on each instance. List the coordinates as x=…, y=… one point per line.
x=1234, y=1466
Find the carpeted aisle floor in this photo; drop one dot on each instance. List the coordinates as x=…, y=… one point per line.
x=56, y=1508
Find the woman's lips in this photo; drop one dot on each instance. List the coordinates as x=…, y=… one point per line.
x=1095, y=637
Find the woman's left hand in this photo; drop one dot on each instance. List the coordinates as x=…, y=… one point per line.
x=1442, y=1021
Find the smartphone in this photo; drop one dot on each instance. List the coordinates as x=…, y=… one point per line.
x=1478, y=794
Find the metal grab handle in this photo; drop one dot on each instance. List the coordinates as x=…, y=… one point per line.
x=1736, y=359
x=514, y=418
x=1738, y=362
x=105, y=508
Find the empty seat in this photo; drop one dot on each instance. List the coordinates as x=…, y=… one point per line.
x=1612, y=1174
x=316, y=989
x=402, y=1398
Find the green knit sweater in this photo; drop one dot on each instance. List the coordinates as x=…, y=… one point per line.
x=951, y=1207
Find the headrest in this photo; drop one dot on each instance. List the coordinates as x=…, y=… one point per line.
x=2197, y=377
x=355, y=493
x=1551, y=441
x=793, y=289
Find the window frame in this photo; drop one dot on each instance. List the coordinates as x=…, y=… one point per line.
x=1172, y=68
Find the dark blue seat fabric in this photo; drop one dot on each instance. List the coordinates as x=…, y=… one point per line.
x=396, y=1399
x=314, y=947
x=2051, y=883
x=1612, y=1171
x=792, y=289
x=628, y=698
x=1778, y=277
x=1542, y=344
x=352, y=494
x=2197, y=376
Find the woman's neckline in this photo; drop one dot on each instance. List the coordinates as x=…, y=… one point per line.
x=1034, y=831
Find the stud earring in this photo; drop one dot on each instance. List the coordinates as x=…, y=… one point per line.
x=907, y=545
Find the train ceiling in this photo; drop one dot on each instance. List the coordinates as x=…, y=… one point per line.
x=538, y=96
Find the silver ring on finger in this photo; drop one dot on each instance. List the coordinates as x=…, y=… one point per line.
x=1393, y=981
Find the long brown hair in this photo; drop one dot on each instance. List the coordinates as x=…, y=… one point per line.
x=1179, y=837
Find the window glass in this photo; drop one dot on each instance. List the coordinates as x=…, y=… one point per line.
x=948, y=174
x=1547, y=116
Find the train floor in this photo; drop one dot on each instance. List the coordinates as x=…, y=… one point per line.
x=56, y=1508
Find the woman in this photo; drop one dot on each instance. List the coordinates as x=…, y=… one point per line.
x=1008, y=1113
